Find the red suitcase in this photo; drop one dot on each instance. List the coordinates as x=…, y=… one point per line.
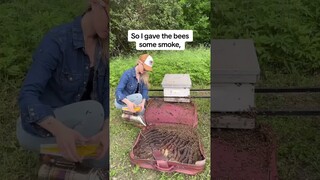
x=177, y=121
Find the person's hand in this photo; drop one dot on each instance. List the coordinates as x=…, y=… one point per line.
x=142, y=105
x=131, y=106
x=102, y=139
x=66, y=139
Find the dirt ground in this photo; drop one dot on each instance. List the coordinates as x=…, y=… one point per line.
x=243, y=154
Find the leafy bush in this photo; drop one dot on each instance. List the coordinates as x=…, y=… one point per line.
x=157, y=14
x=23, y=23
x=195, y=62
x=196, y=17
x=286, y=34
x=140, y=14
x=22, y=26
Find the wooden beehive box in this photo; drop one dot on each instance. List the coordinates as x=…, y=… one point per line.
x=176, y=87
x=234, y=73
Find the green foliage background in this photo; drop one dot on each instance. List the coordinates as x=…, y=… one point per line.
x=287, y=39
x=195, y=61
x=286, y=33
x=154, y=15
x=23, y=23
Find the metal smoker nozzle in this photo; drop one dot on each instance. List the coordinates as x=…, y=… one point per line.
x=133, y=118
x=141, y=120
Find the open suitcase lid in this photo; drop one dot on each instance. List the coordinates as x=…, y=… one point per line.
x=160, y=112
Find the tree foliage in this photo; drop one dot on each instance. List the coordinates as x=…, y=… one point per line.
x=23, y=23
x=140, y=15
x=196, y=17
x=286, y=33
x=157, y=14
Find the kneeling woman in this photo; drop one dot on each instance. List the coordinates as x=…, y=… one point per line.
x=132, y=90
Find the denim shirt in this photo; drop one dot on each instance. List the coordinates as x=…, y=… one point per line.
x=58, y=76
x=128, y=85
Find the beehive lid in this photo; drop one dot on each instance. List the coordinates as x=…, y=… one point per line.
x=176, y=80
x=234, y=57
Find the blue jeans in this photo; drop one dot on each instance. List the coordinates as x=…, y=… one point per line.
x=135, y=98
x=86, y=117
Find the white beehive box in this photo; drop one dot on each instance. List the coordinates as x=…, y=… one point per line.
x=176, y=87
x=235, y=70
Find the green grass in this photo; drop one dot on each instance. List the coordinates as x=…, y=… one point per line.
x=122, y=135
x=286, y=36
x=286, y=33
x=195, y=61
x=23, y=24
x=15, y=163
x=298, y=138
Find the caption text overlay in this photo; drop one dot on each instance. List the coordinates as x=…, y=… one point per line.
x=160, y=39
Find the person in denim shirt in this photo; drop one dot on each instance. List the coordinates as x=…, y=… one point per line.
x=64, y=97
x=132, y=89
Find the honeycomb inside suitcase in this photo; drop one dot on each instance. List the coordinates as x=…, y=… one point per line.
x=176, y=143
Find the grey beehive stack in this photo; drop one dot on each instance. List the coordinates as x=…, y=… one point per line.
x=235, y=70
x=176, y=85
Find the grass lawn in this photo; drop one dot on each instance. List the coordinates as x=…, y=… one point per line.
x=15, y=163
x=298, y=136
x=122, y=135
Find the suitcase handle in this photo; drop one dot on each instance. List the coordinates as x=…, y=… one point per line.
x=163, y=166
x=162, y=163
